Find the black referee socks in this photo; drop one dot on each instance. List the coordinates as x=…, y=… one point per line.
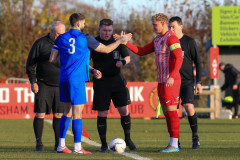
x=38, y=129
x=102, y=129
x=55, y=125
x=126, y=124
x=193, y=124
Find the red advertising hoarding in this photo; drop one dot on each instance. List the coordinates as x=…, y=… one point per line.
x=17, y=101
x=214, y=61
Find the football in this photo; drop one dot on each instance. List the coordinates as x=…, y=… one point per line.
x=117, y=145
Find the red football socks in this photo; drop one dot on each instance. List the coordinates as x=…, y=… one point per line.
x=173, y=123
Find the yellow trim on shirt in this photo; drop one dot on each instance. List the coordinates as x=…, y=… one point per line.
x=174, y=46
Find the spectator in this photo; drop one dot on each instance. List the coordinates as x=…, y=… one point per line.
x=232, y=79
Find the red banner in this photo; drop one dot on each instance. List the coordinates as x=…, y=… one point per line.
x=17, y=101
x=214, y=61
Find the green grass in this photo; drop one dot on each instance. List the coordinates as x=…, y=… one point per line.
x=220, y=140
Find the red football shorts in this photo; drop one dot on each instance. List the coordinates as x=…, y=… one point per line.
x=169, y=95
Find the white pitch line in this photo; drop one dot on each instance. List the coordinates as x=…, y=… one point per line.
x=202, y=140
x=134, y=156
x=90, y=142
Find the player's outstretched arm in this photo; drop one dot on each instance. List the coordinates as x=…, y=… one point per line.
x=109, y=48
x=141, y=51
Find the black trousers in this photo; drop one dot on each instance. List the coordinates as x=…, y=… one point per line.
x=236, y=97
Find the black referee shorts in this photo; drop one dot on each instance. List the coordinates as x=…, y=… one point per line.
x=107, y=89
x=187, y=92
x=47, y=99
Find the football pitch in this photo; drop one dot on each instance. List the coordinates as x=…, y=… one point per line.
x=220, y=140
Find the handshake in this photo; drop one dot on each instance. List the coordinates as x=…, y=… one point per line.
x=124, y=38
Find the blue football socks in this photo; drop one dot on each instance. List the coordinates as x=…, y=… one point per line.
x=63, y=126
x=77, y=130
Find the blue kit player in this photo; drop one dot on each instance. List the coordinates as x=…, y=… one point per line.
x=73, y=48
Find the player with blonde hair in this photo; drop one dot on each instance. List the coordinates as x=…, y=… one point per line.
x=168, y=58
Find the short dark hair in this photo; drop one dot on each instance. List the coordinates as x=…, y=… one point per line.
x=221, y=64
x=75, y=17
x=106, y=22
x=177, y=19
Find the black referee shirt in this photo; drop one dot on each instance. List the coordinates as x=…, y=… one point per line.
x=190, y=56
x=39, y=57
x=106, y=63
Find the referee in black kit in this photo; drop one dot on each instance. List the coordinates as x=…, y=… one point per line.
x=190, y=56
x=112, y=85
x=44, y=83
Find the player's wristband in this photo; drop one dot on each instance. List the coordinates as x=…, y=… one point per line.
x=123, y=62
x=92, y=71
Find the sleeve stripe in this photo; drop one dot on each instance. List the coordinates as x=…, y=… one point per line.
x=55, y=47
x=174, y=46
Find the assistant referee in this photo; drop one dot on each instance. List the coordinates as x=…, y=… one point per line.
x=44, y=78
x=190, y=56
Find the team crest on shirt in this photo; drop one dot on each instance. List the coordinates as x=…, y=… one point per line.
x=116, y=55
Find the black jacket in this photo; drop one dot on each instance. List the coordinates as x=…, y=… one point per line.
x=232, y=76
x=38, y=59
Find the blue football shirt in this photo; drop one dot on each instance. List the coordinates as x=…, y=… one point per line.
x=74, y=56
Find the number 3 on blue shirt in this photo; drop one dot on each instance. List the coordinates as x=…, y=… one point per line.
x=72, y=42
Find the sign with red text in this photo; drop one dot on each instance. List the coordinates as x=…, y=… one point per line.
x=17, y=101
x=214, y=61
